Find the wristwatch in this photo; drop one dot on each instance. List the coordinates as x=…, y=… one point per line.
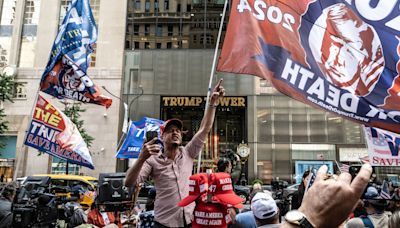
x=297, y=218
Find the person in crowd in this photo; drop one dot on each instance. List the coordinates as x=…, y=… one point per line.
x=79, y=216
x=146, y=218
x=171, y=168
x=265, y=210
x=6, y=199
x=330, y=199
x=246, y=217
x=101, y=219
x=2, y=178
x=224, y=165
x=230, y=163
x=257, y=187
x=375, y=208
x=243, y=179
x=151, y=197
x=359, y=210
x=298, y=195
x=394, y=221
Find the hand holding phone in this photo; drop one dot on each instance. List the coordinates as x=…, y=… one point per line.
x=151, y=135
x=151, y=146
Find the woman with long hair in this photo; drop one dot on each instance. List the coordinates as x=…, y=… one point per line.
x=298, y=195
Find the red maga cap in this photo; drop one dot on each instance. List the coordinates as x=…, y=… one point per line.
x=222, y=189
x=210, y=215
x=167, y=123
x=198, y=184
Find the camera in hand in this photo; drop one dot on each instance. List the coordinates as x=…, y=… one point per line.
x=113, y=194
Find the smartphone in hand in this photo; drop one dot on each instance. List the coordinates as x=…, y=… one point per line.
x=151, y=135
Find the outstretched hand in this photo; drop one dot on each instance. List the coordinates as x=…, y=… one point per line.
x=218, y=92
x=329, y=201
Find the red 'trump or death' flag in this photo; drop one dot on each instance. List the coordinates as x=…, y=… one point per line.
x=341, y=56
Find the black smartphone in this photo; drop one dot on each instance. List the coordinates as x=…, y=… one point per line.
x=151, y=135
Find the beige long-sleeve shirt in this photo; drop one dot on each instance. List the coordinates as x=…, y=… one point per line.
x=171, y=180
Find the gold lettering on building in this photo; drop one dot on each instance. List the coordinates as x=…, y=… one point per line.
x=198, y=101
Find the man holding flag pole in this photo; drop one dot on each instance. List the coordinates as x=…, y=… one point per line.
x=172, y=166
x=161, y=165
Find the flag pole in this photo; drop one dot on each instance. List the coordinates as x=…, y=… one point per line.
x=213, y=70
x=337, y=164
x=26, y=134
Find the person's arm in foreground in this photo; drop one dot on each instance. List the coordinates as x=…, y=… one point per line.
x=148, y=149
x=328, y=202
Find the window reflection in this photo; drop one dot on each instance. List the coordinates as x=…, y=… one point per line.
x=29, y=33
x=195, y=23
x=282, y=120
x=6, y=27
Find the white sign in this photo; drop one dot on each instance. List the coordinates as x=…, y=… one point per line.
x=352, y=154
x=383, y=147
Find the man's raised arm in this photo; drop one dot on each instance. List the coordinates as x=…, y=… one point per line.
x=209, y=113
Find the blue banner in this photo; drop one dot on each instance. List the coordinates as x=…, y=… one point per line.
x=65, y=75
x=136, y=136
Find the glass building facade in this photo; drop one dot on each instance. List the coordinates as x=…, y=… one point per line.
x=171, y=24
x=284, y=135
x=6, y=30
x=29, y=33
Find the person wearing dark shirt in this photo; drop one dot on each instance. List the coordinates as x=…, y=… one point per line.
x=6, y=200
x=298, y=195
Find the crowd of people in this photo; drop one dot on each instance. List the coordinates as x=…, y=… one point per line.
x=329, y=202
x=181, y=199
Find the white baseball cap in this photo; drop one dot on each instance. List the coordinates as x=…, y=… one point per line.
x=263, y=206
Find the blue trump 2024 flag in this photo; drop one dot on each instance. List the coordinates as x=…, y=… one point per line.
x=136, y=136
x=65, y=75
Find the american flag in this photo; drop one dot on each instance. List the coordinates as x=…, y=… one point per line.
x=385, y=194
x=364, y=160
x=344, y=168
x=378, y=139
